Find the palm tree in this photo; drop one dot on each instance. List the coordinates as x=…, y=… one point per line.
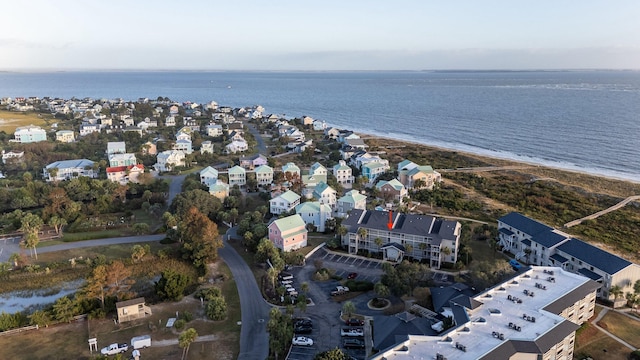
x=185, y=339
x=445, y=251
x=409, y=249
x=272, y=273
x=616, y=291
x=304, y=287
x=378, y=241
x=348, y=308
x=341, y=231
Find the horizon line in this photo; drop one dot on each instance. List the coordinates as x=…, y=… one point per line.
x=40, y=70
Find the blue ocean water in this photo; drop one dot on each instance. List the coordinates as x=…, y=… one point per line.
x=578, y=120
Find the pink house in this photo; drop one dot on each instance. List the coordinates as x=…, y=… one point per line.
x=289, y=233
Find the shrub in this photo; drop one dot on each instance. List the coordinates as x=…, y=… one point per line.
x=187, y=316
x=179, y=324
x=217, y=308
x=207, y=293
x=359, y=285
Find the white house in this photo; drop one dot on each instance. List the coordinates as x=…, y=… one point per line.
x=167, y=160
x=264, y=174
x=119, y=159
x=30, y=134
x=237, y=176
x=214, y=130
x=237, y=146
x=208, y=175
x=206, y=147
x=343, y=174
x=12, y=155
x=68, y=169
x=314, y=213
x=318, y=169
x=284, y=203
x=325, y=194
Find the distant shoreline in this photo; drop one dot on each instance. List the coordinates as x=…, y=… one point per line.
x=496, y=156
x=493, y=159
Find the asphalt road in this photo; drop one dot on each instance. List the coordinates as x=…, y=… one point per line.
x=262, y=148
x=254, y=339
x=12, y=246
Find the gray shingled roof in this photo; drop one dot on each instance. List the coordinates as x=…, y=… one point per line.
x=524, y=224
x=540, y=346
x=412, y=224
x=594, y=256
x=571, y=297
x=549, y=238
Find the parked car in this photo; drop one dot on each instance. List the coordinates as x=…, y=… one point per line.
x=302, y=341
x=515, y=264
x=302, y=322
x=340, y=290
x=285, y=276
x=352, y=343
x=352, y=332
x=352, y=275
x=303, y=329
x=354, y=322
x=114, y=348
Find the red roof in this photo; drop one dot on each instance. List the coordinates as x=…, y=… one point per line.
x=116, y=169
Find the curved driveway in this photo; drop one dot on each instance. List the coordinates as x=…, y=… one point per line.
x=254, y=339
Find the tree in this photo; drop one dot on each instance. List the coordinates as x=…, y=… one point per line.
x=446, y=251
x=200, y=238
x=140, y=228
x=217, y=308
x=40, y=318
x=172, y=285
x=118, y=278
x=64, y=309
x=185, y=340
x=57, y=223
x=138, y=252
x=30, y=226
x=272, y=274
x=200, y=199
x=616, y=291
x=378, y=241
x=280, y=330
x=333, y=354
x=96, y=284
x=362, y=233
x=302, y=303
x=304, y=287
x=348, y=308
x=381, y=290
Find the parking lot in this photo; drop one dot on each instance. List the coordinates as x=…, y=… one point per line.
x=367, y=269
x=325, y=311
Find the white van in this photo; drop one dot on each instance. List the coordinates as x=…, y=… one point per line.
x=139, y=342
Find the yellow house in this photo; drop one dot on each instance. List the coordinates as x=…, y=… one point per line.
x=132, y=309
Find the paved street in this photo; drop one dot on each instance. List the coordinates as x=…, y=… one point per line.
x=254, y=339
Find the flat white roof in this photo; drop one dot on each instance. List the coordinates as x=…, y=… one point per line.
x=495, y=314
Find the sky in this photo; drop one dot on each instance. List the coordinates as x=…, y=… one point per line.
x=306, y=35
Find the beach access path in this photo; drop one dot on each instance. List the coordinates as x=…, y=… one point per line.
x=602, y=212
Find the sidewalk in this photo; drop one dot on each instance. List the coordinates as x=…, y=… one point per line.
x=602, y=313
